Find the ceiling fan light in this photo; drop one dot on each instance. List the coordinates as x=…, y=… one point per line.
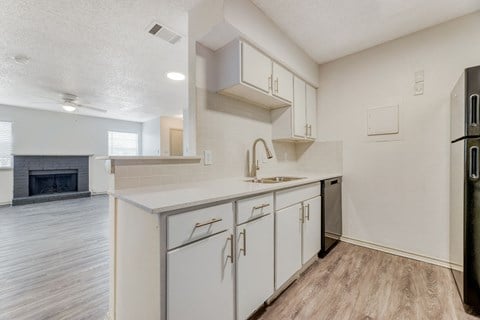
x=69, y=108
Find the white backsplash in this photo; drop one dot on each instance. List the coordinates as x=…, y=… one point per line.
x=228, y=127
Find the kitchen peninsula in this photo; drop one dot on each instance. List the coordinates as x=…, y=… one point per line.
x=214, y=249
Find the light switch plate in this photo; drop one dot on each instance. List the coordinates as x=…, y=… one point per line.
x=419, y=76
x=418, y=88
x=207, y=158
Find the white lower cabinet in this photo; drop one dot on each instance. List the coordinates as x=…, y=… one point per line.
x=255, y=265
x=312, y=224
x=297, y=230
x=288, y=243
x=262, y=252
x=200, y=279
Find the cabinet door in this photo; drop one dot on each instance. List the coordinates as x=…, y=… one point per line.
x=299, y=100
x=288, y=243
x=256, y=68
x=282, y=82
x=200, y=280
x=312, y=228
x=254, y=265
x=311, y=109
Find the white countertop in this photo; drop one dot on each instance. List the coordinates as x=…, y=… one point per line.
x=162, y=199
x=148, y=158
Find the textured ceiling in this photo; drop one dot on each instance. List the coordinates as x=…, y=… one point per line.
x=97, y=50
x=330, y=29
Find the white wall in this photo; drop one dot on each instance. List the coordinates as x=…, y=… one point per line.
x=37, y=132
x=151, y=137
x=228, y=127
x=6, y=186
x=216, y=22
x=260, y=30
x=396, y=193
x=225, y=19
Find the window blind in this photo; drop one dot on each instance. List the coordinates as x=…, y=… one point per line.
x=122, y=144
x=5, y=144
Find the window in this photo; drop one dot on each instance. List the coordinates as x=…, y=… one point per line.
x=122, y=144
x=5, y=144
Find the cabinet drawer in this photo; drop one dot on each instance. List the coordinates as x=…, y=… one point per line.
x=251, y=208
x=193, y=225
x=291, y=196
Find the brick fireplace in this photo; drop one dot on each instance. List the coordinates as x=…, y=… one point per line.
x=49, y=178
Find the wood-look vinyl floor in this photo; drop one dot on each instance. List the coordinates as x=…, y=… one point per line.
x=54, y=260
x=54, y=265
x=357, y=283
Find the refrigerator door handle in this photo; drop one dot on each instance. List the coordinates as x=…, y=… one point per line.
x=474, y=165
x=474, y=110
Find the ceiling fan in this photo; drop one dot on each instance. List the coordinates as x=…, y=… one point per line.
x=70, y=104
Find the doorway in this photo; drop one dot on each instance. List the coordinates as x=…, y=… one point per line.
x=176, y=142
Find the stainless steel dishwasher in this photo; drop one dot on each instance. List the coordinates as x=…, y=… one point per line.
x=331, y=214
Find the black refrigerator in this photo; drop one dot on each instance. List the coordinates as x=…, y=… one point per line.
x=465, y=187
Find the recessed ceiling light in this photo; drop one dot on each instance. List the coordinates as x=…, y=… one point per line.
x=69, y=107
x=177, y=76
x=21, y=59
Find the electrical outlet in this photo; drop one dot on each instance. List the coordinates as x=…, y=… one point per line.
x=207, y=158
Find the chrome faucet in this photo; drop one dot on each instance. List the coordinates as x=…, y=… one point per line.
x=255, y=165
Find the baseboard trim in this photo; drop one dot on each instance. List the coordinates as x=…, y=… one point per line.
x=5, y=204
x=401, y=253
x=100, y=193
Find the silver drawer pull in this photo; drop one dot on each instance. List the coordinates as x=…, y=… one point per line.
x=230, y=256
x=214, y=220
x=261, y=206
x=244, y=249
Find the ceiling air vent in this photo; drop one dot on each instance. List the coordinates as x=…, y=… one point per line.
x=164, y=33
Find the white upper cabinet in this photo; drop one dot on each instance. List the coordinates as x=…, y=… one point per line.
x=299, y=115
x=298, y=122
x=256, y=68
x=282, y=82
x=248, y=74
x=311, y=111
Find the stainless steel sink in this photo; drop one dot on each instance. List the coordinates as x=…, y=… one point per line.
x=274, y=179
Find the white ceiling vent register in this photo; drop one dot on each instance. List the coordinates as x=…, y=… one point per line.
x=164, y=33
